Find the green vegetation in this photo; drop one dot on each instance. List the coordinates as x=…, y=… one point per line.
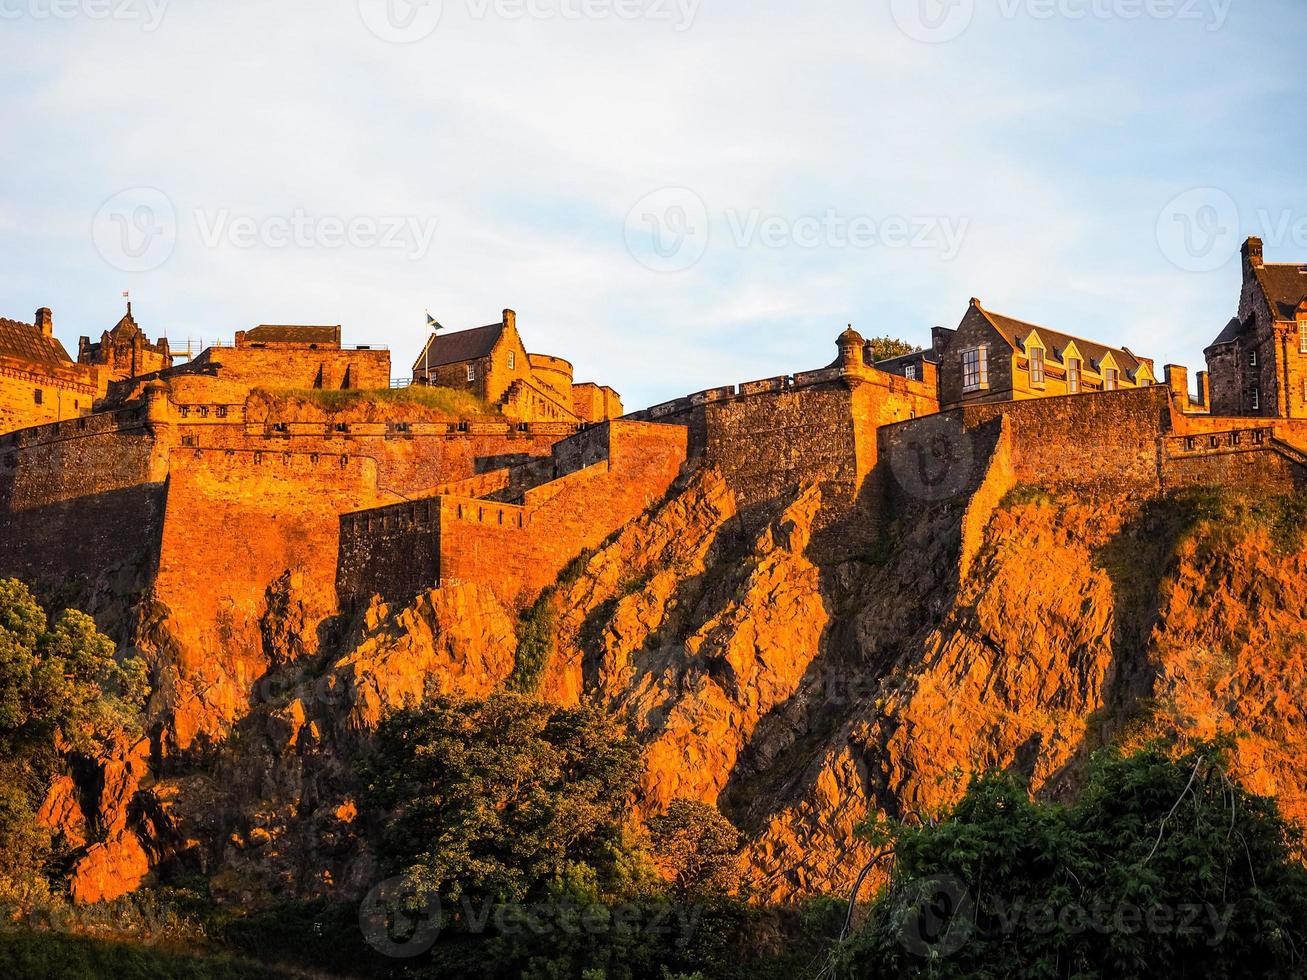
x=535, y=645
x=1162, y=868
x=1025, y=494
x=883, y=348
x=62, y=695
x=450, y=402
x=1218, y=516
x=47, y=955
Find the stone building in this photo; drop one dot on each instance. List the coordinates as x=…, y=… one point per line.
x=493, y=364
x=995, y=358
x=124, y=351
x=1258, y=364
x=273, y=356
x=38, y=380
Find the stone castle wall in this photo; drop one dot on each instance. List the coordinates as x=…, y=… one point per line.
x=606, y=476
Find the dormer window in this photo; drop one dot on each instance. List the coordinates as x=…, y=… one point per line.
x=1073, y=375
x=1036, y=365
x=1109, y=379
x=910, y=372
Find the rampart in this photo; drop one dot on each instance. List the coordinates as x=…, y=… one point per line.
x=600, y=479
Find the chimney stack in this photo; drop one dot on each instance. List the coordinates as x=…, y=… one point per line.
x=510, y=319
x=45, y=321
x=1252, y=253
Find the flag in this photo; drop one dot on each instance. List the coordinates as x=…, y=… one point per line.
x=126, y=294
x=433, y=324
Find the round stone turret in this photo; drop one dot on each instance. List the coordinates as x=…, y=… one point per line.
x=851, y=344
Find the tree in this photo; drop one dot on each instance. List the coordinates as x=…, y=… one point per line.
x=496, y=798
x=62, y=693
x=882, y=348
x=1162, y=868
x=697, y=849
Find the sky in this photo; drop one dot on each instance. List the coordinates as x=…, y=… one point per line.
x=672, y=194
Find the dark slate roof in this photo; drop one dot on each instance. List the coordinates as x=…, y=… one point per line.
x=1285, y=287
x=1015, y=332
x=271, y=333
x=1229, y=334
x=463, y=345
x=25, y=342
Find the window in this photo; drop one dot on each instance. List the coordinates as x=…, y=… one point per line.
x=1304, y=389
x=1036, y=365
x=1252, y=357
x=471, y=372
x=221, y=411
x=1255, y=398
x=1302, y=336
x=512, y=360
x=910, y=372
x=1073, y=375
x=38, y=396
x=1109, y=379
x=975, y=368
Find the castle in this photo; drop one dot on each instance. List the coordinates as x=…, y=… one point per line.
x=207, y=485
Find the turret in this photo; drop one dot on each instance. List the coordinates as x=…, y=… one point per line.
x=850, y=345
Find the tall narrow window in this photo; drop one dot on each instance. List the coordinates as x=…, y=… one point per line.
x=910, y=372
x=512, y=359
x=471, y=372
x=1109, y=379
x=38, y=396
x=1302, y=336
x=1252, y=357
x=975, y=368
x=1073, y=375
x=1255, y=398
x=1036, y=365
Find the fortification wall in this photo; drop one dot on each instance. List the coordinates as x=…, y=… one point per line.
x=234, y=522
x=515, y=549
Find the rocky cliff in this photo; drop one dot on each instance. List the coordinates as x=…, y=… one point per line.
x=800, y=665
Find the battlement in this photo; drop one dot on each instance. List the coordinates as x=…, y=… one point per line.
x=596, y=482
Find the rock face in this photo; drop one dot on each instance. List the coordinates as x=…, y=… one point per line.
x=798, y=663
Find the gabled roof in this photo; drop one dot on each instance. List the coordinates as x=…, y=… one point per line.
x=127, y=326
x=1016, y=331
x=463, y=345
x=26, y=342
x=271, y=333
x=1285, y=287
x=1231, y=333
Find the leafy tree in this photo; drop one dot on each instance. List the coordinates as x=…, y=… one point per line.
x=62, y=693
x=882, y=348
x=697, y=849
x=1162, y=868
x=497, y=797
